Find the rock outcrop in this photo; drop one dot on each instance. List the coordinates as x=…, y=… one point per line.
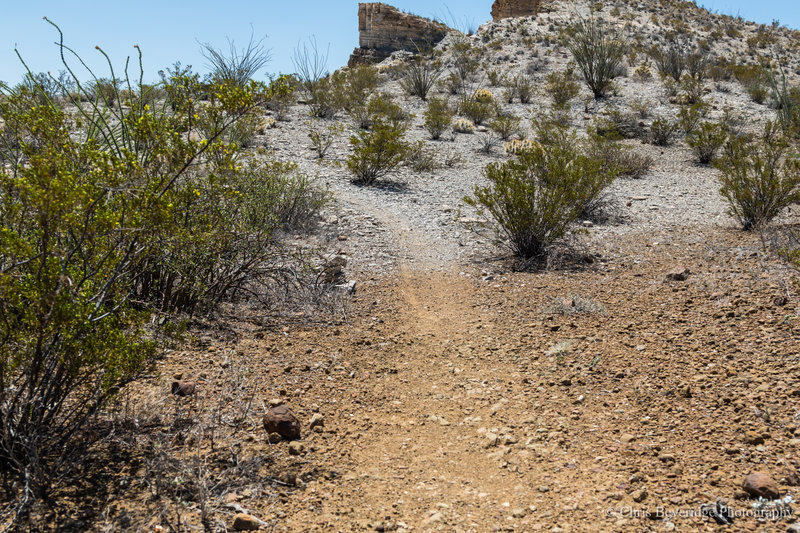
x=503, y=9
x=383, y=29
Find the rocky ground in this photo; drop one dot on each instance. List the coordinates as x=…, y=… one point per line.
x=635, y=392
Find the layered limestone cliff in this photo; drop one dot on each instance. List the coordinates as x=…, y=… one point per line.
x=383, y=29
x=503, y=9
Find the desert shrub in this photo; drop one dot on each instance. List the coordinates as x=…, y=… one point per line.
x=327, y=97
x=759, y=177
x=616, y=125
x=322, y=138
x=109, y=216
x=421, y=159
x=706, y=140
x=421, y=72
x=280, y=94
x=598, y=52
x=364, y=111
x=49, y=88
x=642, y=107
x=486, y=144
x=690, y=116
x=463, y=125
x=537, y=197
x=438, y=117
x=561, y=87
x=466, y=62
x=691, y=90
x=677, y=58
x=524, y=88
x=378, y=151
x=505, y=125
x=105, y=91
x=787, y=102
x=661, y=131
x=496, y=78
x=618, y=158
x=478, y=111
x=236, y=66
x=754, y=80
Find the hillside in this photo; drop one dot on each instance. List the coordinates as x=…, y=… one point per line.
x=631, y=382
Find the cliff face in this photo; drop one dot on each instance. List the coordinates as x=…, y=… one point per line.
x=503, y=9
x=383, y=29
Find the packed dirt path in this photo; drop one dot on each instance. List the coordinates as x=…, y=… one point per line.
x=598, y=400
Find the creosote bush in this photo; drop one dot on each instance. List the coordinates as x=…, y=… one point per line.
x=108, y=217
x=506, y=125
x=378, y=151
x=438, y=117
x=561, y=87
x=759, y=177
x=661, y=131
x=538, y=196
x=706, y=140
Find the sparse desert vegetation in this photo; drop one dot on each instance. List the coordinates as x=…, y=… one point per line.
x=523, y=278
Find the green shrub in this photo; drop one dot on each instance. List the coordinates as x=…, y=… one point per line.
x=496, y=78
x=759, y=178
x=618, y=158
x=677, y=58
x=327, y=97
x=706, y=140
x=438, y=117
x=691, y=90
x=538, y=196
x=477, y=110
x=690, y=116
x=561, y=87
x=108, y=216
x=754, y=80
x=524, y=88
x=787, y=101
x=377, y=152
x=616, y=125
x=280, y=94
x=506, y=126
x=598, y=51
x=662, y=131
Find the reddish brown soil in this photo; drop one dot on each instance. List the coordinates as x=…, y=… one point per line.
x=648, y=395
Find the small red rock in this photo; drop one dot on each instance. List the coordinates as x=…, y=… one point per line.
x=282, y=420
x=759, y=484
x=183, y=388
x=245, y=522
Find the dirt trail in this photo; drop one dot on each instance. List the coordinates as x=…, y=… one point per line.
x=469, y=408
x=421, y=453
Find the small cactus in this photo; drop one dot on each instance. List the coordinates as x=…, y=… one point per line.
x=517, y=146
x=463, y=125
x=483, y=95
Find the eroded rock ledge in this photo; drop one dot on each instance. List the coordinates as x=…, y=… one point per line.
x=383, y=29
x=503, y=9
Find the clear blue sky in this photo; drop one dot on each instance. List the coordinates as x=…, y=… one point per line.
x=169, y=31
